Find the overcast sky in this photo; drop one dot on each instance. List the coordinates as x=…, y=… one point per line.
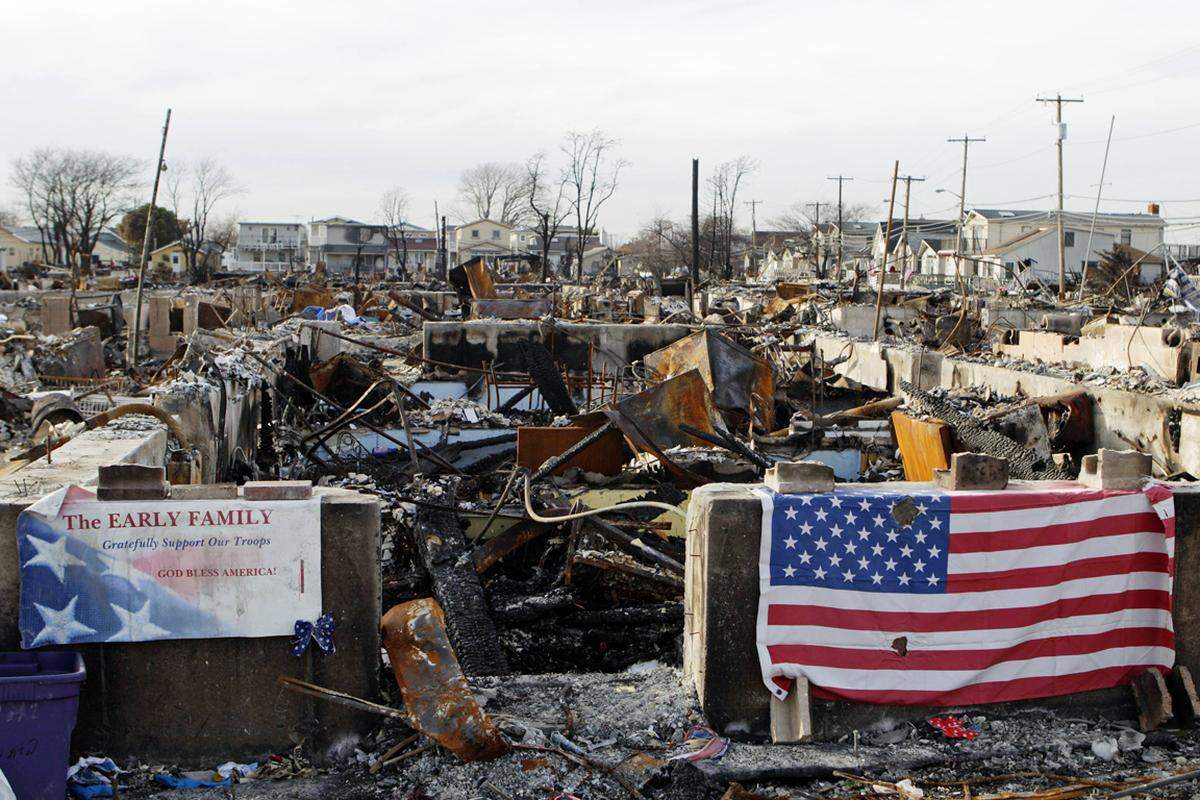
x=318, y=108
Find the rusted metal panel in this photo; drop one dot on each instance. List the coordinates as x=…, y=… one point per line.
x=606, y=456
x=435, y=691
x=791, y=291
x=654, y=414
x=925, y=445
x=479, y=278
x=741, y=383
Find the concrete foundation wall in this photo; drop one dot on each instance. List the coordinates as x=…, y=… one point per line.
x=1123, y=419
x=1119, y=346
x=721, y=606
x=474, y=342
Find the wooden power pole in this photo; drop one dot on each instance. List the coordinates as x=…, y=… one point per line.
x=136, y=333
x=840, y=180
x=887, y=235
x=695, y=223
x=753, y=233
x=908, y=181
x=1060, y=134
x=962, y=205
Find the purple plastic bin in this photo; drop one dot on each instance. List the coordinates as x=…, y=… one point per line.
x=39, y=695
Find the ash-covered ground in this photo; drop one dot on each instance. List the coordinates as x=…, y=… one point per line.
x=613, y=735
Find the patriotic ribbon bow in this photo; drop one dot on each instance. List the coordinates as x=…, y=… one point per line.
x=320, y=632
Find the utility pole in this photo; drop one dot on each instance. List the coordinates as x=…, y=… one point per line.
x=816, y=238
x=445, y=254
x=962, y=207
x=438, y=245
x=695, y=223
x=753, y=231
x=887, y=235
x=908, y=181
x=136, y=334
x=840, y=180
x=1058, y=100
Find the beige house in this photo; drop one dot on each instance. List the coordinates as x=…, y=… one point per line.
x=19, y=245
x=486, y=238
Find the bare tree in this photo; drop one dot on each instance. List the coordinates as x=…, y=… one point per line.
x=590, y=179
x=393, y=208
x=662, y=245
x=72, y=196
x=724, y=183
x=547, y=202
x=223, y=232
x=495, y=191
x=801, y=218
x=195, y=190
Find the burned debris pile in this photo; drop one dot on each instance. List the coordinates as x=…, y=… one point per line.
x=534, y=449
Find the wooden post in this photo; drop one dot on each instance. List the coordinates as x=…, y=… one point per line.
x=887, y=237
x=135, y=336
x=791, y=719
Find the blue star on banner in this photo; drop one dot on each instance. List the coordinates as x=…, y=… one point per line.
x=853, y=540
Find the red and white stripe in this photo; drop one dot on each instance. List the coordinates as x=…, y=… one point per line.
x=1049, y=591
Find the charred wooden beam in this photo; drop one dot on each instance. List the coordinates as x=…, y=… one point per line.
x=445, y=554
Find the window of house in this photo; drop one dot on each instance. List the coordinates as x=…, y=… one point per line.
x=1068, y=238
x=1126, y=236
x=495, y=234
x=475, y=234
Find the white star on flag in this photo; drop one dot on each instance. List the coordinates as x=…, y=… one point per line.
x=136, y=625
x=60, y=625
x=791, y=512
x=790, y=542
x=53, y=556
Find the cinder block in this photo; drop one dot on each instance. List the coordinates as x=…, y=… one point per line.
x=201, y=491
x=277, y=490
x=1115, y=469
x=131, y=482
x=790, y=477
x=973, y=471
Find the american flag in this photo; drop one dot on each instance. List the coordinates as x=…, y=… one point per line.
x=937, y=598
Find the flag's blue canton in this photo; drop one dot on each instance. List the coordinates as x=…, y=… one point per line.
x=852, y=540
x=72, y=592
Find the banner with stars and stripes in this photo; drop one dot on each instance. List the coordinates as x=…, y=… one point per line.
x=138, y=571
x=939, y=598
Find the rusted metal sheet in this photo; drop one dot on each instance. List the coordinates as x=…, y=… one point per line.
x=511, y=308
x=925, y=445
x=653, y=415
x=479, y=278
x=792, y=291
x=606, y=456
x=741, y=383
x=436, y=696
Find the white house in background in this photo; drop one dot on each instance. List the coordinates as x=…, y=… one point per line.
x=270, y=247
x=1035, y=254
x=989, y=228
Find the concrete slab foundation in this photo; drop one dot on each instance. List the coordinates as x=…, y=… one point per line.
x=720, y=613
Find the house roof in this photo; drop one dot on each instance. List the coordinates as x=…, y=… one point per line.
x=1002, y=214
x=1020, y=241
x=27, y=233
x=492, y=221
